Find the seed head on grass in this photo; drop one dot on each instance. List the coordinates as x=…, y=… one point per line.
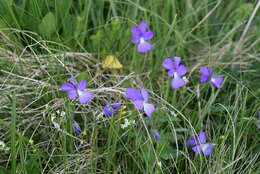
x=177, y=70
x=140, y=35
x=209, y=75
x=140, y=100
x=77, y=90
x=111, y=109
x=200, y=145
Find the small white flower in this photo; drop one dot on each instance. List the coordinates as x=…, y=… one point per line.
x=185, y=79
x=61, y=113
x=56, y=125
x=2, y=144
x=127, y=123
x=159, y=163
x=31, y=141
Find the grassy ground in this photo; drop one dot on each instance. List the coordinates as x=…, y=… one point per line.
x=45, y=42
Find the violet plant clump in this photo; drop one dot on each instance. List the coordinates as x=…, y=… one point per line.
x=209, y=75
x=140, y=100
x=177, y=70
x=140, y=35
x=111, y=109
x=200, y=145
x=77, y=90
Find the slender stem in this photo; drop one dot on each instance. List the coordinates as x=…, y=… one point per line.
x=13, y=134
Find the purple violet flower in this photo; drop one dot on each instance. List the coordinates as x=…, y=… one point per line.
x=111, y=109
x=140, y=99
x=156, y=135
x=140, y=36
x=209, y=75
x=176, y=70
x=76, y=127
x=77, y=90
x=258, y=120
x=200, y=145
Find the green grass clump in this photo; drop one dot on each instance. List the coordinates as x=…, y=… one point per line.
x=42, y=43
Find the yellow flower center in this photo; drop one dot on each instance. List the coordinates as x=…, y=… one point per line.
x=203, y=146
x=79, y=92
x=142, y=40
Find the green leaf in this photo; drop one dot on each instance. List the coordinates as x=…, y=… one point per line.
x=33, y=166
x=96, y=39
x=168, y=153
x=8, y=3
x=48, y=25
x=30, y=23
x=165, y=147
x=115, y=30
x=116, y=25
x=243, y=11
x=3, y=170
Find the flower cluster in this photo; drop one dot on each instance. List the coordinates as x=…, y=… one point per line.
x=77, y=90
x=111, y=109
x=200, y=145
x=140, y=37
x=209, y=75
x=140, y=100
x=175, y=66
x=176, y=69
